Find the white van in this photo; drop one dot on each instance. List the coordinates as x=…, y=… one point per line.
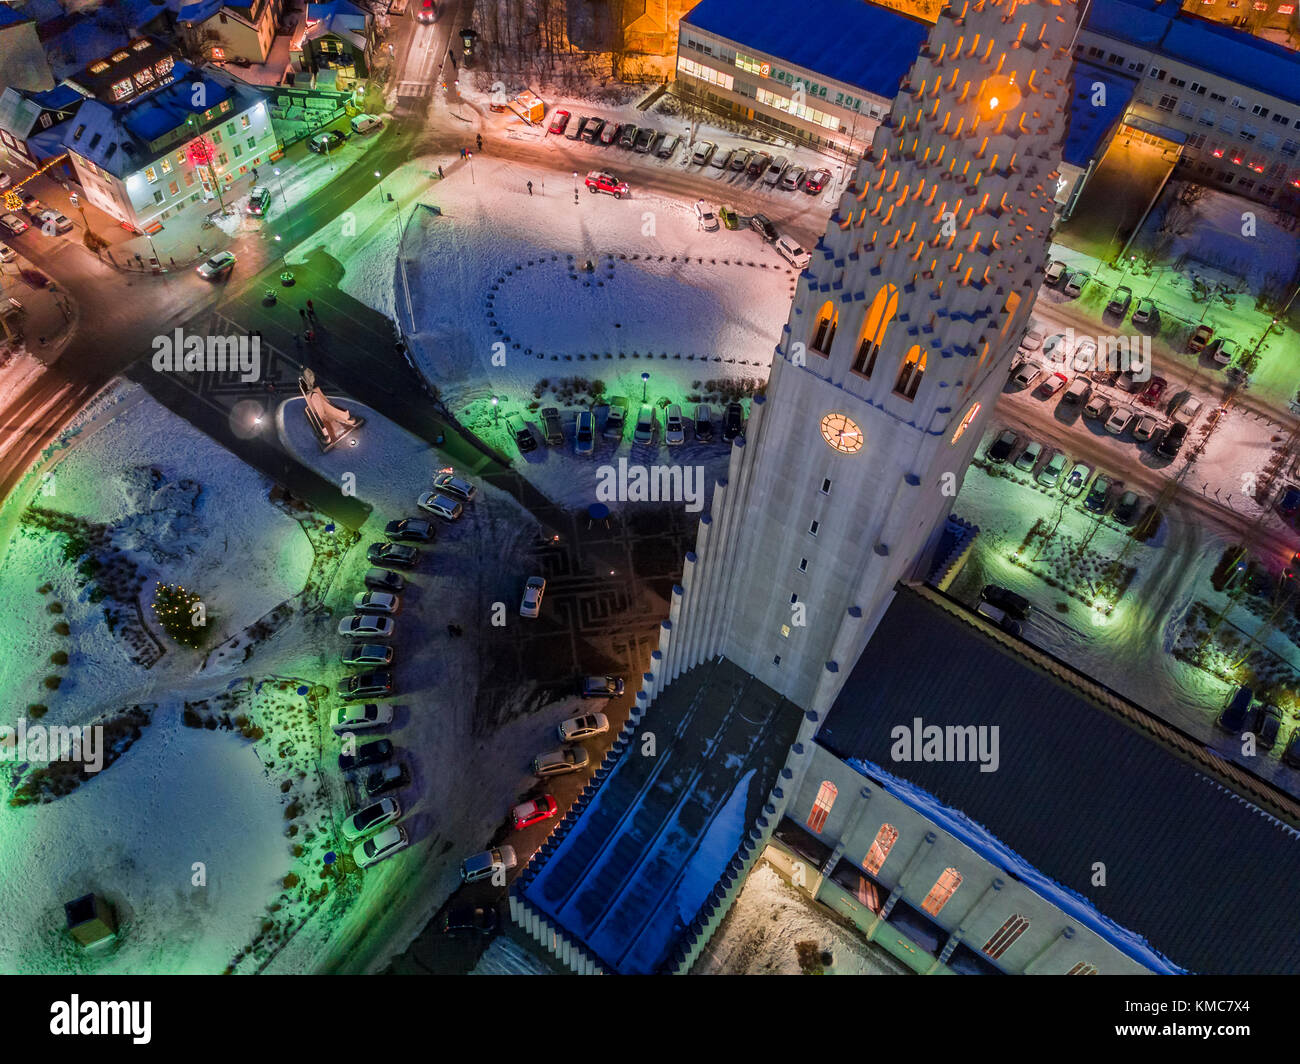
x=792, y=252
x=366, y=124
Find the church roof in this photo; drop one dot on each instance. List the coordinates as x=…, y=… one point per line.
x=1198, y=861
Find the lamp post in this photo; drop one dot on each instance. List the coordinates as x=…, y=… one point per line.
x=645, y=384
x=380, y=184
x=494, y=410
x=470, y=156
x=280, y=181
x=284, y=261
x=575, y=186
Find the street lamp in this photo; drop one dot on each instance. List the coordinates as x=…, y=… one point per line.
x=575, y=186
x=645, y=384
x=470, y=156
x=494, y=410
x=280, y=181
x=380, y=183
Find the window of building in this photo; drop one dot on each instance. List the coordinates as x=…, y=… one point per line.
x=877, y=320
x=1095, y=52
x=189, y=177
x=880, y=847
x=158, y=196
x=826, y=486
x=1115, y=60
x=1289, y=148
x=1166, y=102
x=1196, y=140
x=822, y=806
x=1247, y=133
x=1178, y=83
x=1207, y=118
x=1187, y=109
x=173, y=188
x=1280, y=119
x=971, y=415
x=1197, y=88
x=1157, y=73
x=1005, y=935
x=238, y=150
x=776, y=660
x=828, y=320
x=252, y=143
x=812, y=528
x=1083, y=968
x=1259, y=112
x=216, y=136
x=704, y=73
x=150, y=173
x=910, y=373
x=230, y=129
x=1137, y=68
x=1218, y=97
x=803, y=565
x=944, y=888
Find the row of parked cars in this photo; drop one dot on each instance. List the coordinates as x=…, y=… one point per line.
x=34, y=213
x=1263, y=720
x=1102, y=492
x=645, y=428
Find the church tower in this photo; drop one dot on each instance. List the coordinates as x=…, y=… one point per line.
x=897, y=345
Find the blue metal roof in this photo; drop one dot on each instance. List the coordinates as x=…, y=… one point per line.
x=1235, y=54
x=1131, y=20
x=853, y=42
x=11, y=16
x=56, y=98
x=200, y=11
x=1091, y=125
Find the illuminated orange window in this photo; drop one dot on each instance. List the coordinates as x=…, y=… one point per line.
x=822, y=806
x=1005, y=935
x=910, y=373
x=884, y=842
x=828, y=320
x=971, y=415
x=1083, y=968
x=877, y=320
x=944, y=888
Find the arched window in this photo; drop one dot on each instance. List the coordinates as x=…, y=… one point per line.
x=878, y=317
x=1083, y=968
x=885, y=839
x=822, y=806
x=1005, y=935
x=910, y=373
x=828, y=319
x=944, y=888
x=971, y=415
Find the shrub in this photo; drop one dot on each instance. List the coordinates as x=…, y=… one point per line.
x=36, y=711
x=53, y=682
x=62, y=628
x=59, y=657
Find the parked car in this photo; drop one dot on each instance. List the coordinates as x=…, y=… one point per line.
x=409, y=529
x=645, y=425
x=593, y=129
x=526, y=814
x=1288, y=503
x=500, y=859
x=600, y=686
x=1235, y=715
x=674, y=426
x=7, y=254
x=1075, y=283
x=584, y=437
x=574, y=130
x=324, y=143
x=387, y=778
x=1200, y=338
x=1126, y=508
x=376, y=848
x=1144, y=313
x=733, y=421
x=1098, y=494
x=366, y=626
x=1146, y=428
x=707, y=219
x=559, y=120
x=560, y=762
x=627, y=136
x=259, y=200
x=1172, y=441
x=376, y=684
x=774, y=171
x=617, y=417
x=1119, y=421
x=1155, y=392
x=455, y=487
x=667, y=147
x=1097, y=407
x=440, y=505
x=587, y=726
x=758, y=163
x=1075, y=480
x=367, y=655
x=762, y=225
x=1026, y=373
x=367, y=754
x=599, y=181
x=721, y=158
x=534, y=589
x=469, y=918
x=703, y=150
x=427, y=11
x=789, y=250
x=392, y=554
x=361, y=717
x=1005, y=599
x=1029, y=456
x=375, y=602
x=1268, y=723
x=1119, y=302
x=644, y=140
x=609, y=133
x=1001, y=448
x=52, y=221
x=1052, y=384
x=792, y=176
x=217, y=266
x=552, y=432
x=520, y=433
x=5, y=179
x=371, y=818
x=816, y=180
x=1222, y=350
x=703, y=423
x=1051, y=473
x=1128, y=382
x=739, y=160
x=1188, y=410
x=364, y=124
x=1078, y=392
x=999, y=617
x=1054, y=272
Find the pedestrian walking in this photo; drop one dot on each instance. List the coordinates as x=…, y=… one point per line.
x=440, y=173
x=311, y=336
x=311, y=310
x=530, y=188
x=302, y=313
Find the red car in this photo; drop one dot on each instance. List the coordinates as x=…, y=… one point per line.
x=534, y=812
x=559, y=120
x=598, y=181
x=1155, y=391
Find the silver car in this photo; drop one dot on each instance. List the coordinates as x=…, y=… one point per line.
x=560, y=762
x=645, y=425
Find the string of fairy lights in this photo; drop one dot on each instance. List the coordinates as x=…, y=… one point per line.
x=174, y=607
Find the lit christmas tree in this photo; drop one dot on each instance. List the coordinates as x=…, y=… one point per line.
x=180, y=613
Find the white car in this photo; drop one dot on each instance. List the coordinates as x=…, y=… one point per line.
x=377, y=847
x=702, y=152
x=707, y=219
x=1188, y=410
x=534, y=589
x=220, y=263
x=375, y=602
x=365, y=124
x=1051, y=473
x=7, y=254
x=456, y=487
x=1078, y=477
x=366, y=625
x=5, y=180
x=52, y=219
x=1146, y=428
x=575, y=729
x=1054, y=272
x=360, y=716
x=1033, y=338
x=1119, y=421
x=1098, y=407
x=1026, y=374
x=674, y=427
x=442, y=506
x=376, y=815
x=645, y=425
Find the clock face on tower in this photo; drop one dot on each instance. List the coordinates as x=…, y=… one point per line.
x=842, y=433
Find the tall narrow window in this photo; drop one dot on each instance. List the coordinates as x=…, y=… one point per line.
x=828, y=320
x=944, y=888
x=884, y=842
x=1083, y=968
x=877, y=319
x=822, y=806
x=910, y=373
x=1005, y=935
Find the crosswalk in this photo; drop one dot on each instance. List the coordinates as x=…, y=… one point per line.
x=413, y=88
